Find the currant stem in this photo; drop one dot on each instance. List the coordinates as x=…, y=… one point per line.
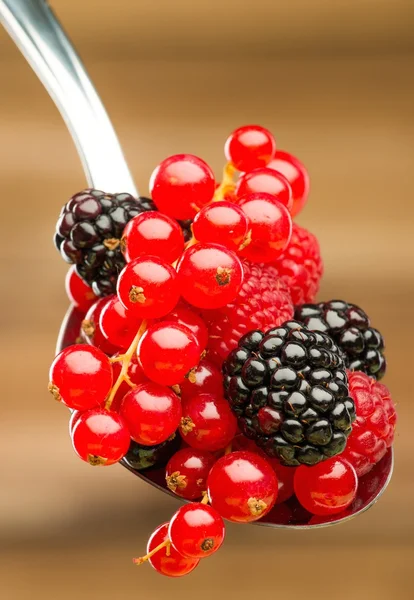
x=228, y=449
x=227, y=183
x=126, y=360
x=205, y=499
x=140, y=560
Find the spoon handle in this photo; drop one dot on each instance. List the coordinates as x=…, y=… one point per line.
x=40, y=37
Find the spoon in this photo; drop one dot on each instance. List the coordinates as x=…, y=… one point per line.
x=38, y=34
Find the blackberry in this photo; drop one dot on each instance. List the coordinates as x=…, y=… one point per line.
x=349, y=327
x=141, y=457
x=289, y=390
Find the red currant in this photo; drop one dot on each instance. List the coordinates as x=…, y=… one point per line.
x=207, y=422
x=168, y=352
x=155, y=234
x=152, y=413
x=168, y=562
x=188, y=318
x=221, y=223
x=242, y=486
x=207, y=379
x=181, y=184
x=81, y=377
x=79, y=293
x=148, y=287
x=266, y=181
x=296, y=174
x=91, y=332
x=250, y=147
x=209, y=275
x=136, y=376
x=285, y=476
x=196, y=530
x=270, y=225
x=100, y=437
x=117, y=324
x=326, y=488
x=187, y=471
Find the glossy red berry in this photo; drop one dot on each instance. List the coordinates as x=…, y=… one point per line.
x=187, y=471
x=171, y=562
x=148, y=287
x=118, y=325
x=181, y=184
x=190, y=319
x=266, y=181
x=207, y=422
x=270, y=226
x=209, y=275
x=297, y=175
x=221, y=223
x=326, y=488
x=207, y=379
x=285, y=477
x=152, y=413
x=196, y=530
x=242, y=486
x=152, y=233
x=135, y=374
x=100, y=437
x=80, y=377
x=250, y=147
x=79, y=293
x=168, y=352
x=91, y=332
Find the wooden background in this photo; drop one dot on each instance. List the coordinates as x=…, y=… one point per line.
x=334, y=81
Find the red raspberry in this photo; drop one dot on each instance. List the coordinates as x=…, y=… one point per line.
x=373, y=431
x=301, y=266
x=262, y=302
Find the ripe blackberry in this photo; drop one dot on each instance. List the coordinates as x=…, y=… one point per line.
x=349, y=327
x=88, y=234
x=263, y=301
x=289, y=390
x=301, y=266
x=141, y=457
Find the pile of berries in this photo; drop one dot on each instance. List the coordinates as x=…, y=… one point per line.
x=201, y=355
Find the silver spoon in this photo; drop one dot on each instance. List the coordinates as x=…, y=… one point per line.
x=41, y=39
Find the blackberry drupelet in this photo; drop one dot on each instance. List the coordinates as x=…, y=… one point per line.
x=349, y=327
x=289, y=390
x=141, y=457
x=88, y=234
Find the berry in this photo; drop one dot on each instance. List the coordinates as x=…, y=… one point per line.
x=349, y=327
x=187, y=471
x=196, y=530
x=100, y=437
x=136, y=376
x=88, y=234
x=266, y=181
x=171, y=562
x=262, y=302
x=327, y=488
x=188, y=318
x=270, y=227
x=79, y=293
x=301, y=266
x=374, y=428
x=117, y=324
x=209, y=275
x=250, y=147
x=242, y=487
x=181, y=184
x=207, y=422
x=140, y=458
x=168, y=352
x=152, y=413
x=285, y=476
x=80, y=377
x=148, y=287
x=91, y=332
x=297, y=176
x=289, y=390
x=207, y=379
x=221, y=223
x=155, y=234
x=74, y=419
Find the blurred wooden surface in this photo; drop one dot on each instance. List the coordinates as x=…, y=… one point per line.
x=69, y=531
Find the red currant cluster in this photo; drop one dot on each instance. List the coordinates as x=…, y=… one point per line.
x=147, y=366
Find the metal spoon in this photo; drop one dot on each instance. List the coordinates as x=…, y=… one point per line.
x=41, y=39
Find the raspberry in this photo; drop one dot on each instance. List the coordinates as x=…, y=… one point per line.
x=374, y=428
x=301, y=266
x=262, y=302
